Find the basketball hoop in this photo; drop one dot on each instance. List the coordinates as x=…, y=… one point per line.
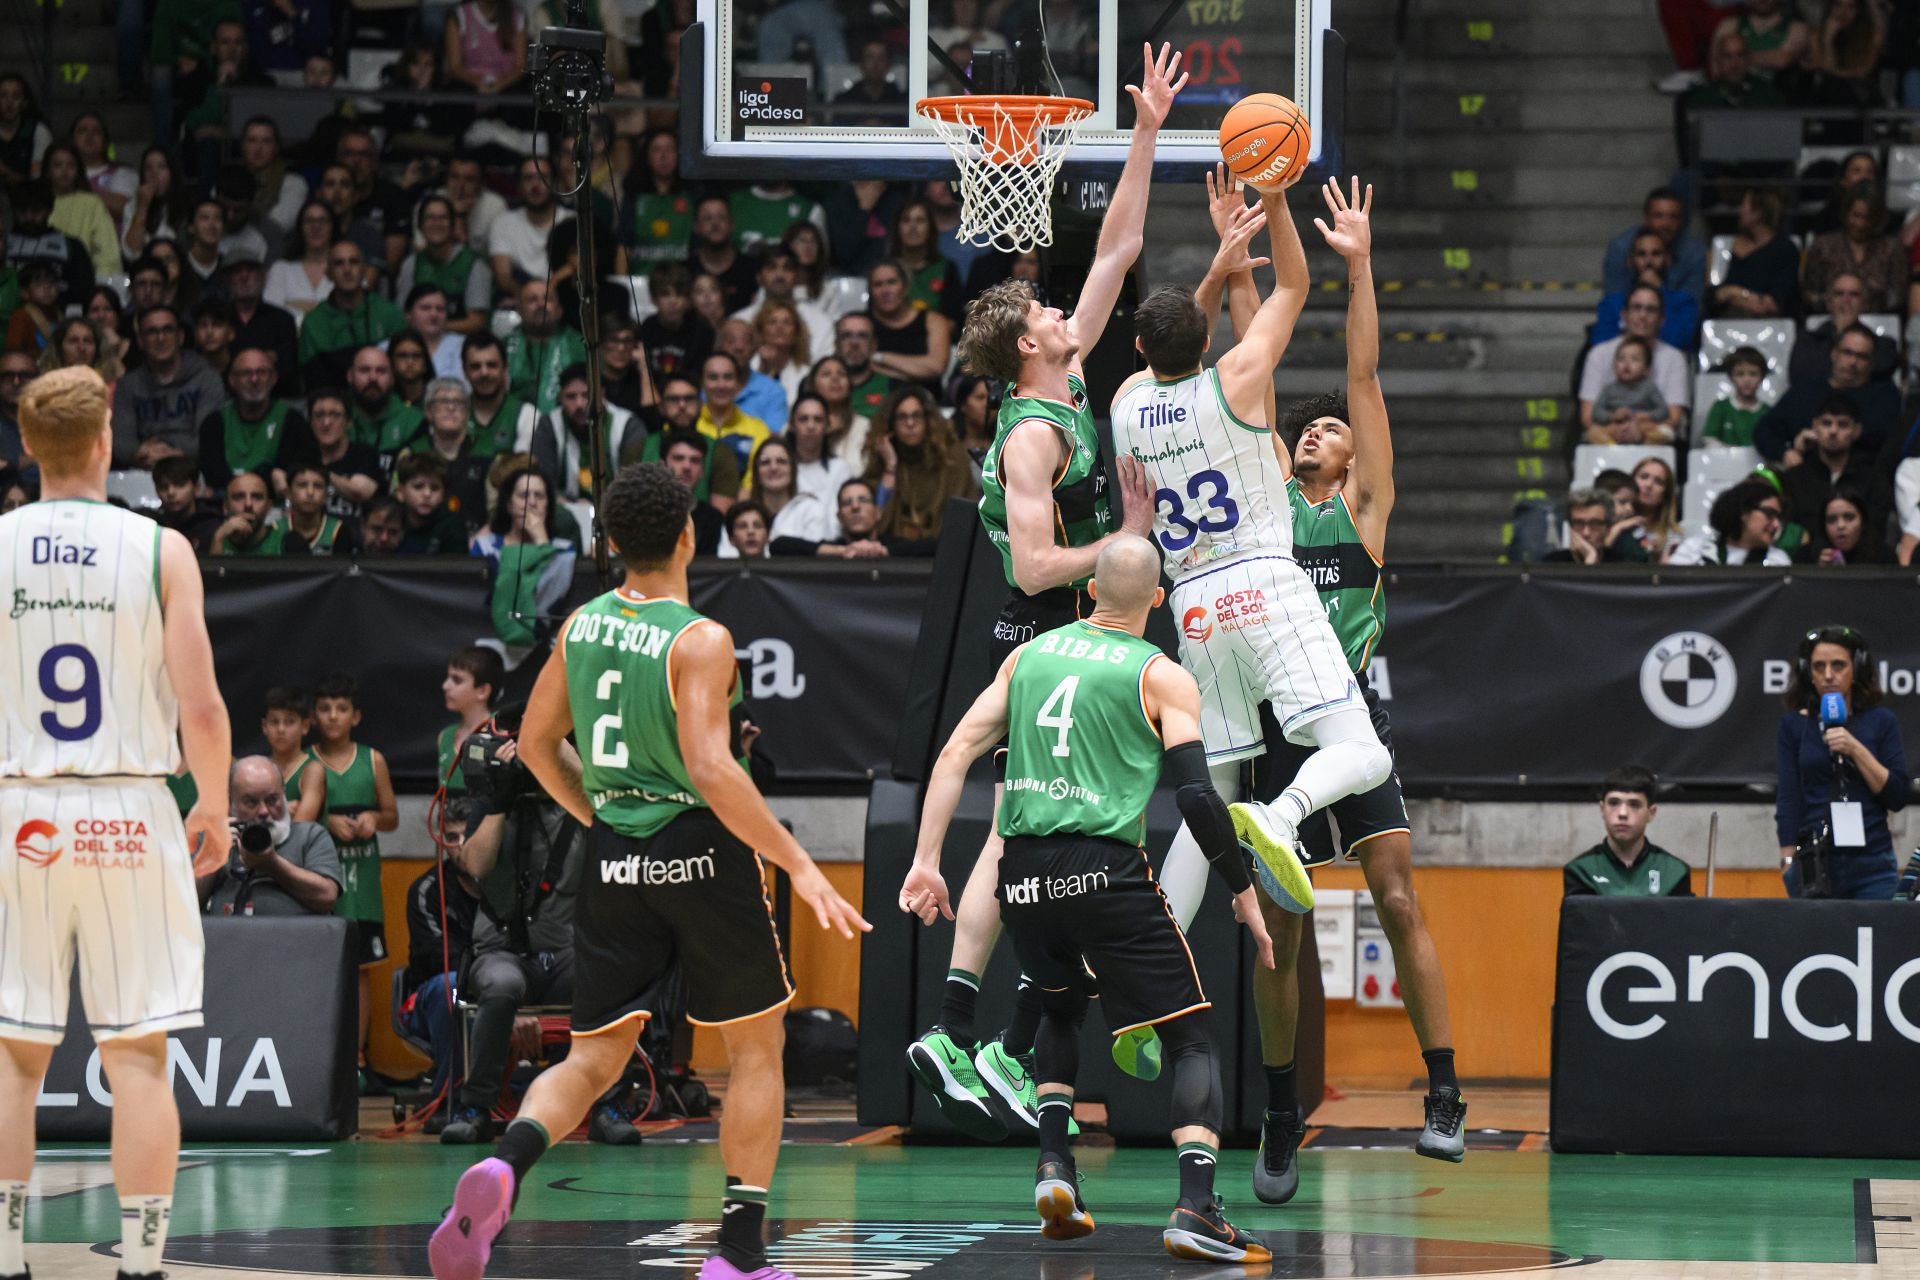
x=1009, y=148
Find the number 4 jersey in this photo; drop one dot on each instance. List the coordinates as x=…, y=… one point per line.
x=83, y=682
x=1252, y=628
x=619, y=651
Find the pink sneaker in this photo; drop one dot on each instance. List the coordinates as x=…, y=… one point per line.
x=718, y=1268
x=482, y=1203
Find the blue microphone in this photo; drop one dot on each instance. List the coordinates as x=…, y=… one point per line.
x=1833, y=714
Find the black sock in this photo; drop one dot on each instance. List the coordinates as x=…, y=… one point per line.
x=1055, y=1110
x=1280, y=1095
x=1025, y=1023
x=1440, y=1070
x=1197, y=1161
x=743, y=1220
x=524, y=1142
x=956, y=1006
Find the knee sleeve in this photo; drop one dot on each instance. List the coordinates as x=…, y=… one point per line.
x=1057, y=1046
x=1198, y=1098
x=1348, y=737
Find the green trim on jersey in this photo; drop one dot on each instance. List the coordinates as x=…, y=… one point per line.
x=1082, y=757
x=619, y=654
x=1082, y=511
x=1220, y=394
x=350, y=793
x=1329, y=549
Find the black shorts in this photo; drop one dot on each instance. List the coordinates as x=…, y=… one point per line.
x=369, y=942
x=1074, y=902
x=1361, y=817
x=1023, y=617
x=689, y=892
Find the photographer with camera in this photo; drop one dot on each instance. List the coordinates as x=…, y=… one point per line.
x=278, y=867
x=1842, y=770
x=527, y=856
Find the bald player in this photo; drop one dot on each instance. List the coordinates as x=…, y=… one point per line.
x=1093, y=715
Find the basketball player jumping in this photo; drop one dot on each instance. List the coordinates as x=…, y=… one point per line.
x=648, y=687
x=1093, y=715
x=1046, y=509
x=1342, y=495
x=105, y=672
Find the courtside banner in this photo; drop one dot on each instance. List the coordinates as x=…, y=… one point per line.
x=1757, y=1027
x=1509, y=677
x=274, y=1062
x=825, y=655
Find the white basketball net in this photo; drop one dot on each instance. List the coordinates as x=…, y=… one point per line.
x=1007, y=168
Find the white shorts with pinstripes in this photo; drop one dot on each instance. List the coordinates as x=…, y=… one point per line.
x=96, y=871
x=1253, y=630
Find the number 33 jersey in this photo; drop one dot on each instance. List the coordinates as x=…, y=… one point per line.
x=84, y=690
x=1218, y=487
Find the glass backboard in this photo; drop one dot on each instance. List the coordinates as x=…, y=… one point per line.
x=825, y=88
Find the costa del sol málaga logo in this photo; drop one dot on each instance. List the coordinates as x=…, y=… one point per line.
x=1688, y=680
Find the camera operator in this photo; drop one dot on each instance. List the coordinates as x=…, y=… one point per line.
x=278, y=867
x=1842, y=769
x=440, y=915
x=527, y=857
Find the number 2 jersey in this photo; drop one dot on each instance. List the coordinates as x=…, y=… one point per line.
x=1219, y=488
x=84, y=690
x=619, y=652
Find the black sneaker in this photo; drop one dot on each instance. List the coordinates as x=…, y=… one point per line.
x=466, y=1126
x=1444, y=1137
x=1202, y=1233
x=611, y=1126
x=1056, y=1197
x=1276, y=1170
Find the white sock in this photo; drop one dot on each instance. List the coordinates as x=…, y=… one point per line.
x=13, y=1228
x=143, y=1232
x=1349, y=759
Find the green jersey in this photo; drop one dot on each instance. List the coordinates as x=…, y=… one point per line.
x=1654, y=874
x=758, y=218
x=534, y=365
x=450, y=277
x=662, y=226
x=619, y=651
x=446, y=754
x=293, y=779
x=328, y=328
x=1082, y=757
x=1081, y=511
x=1328, y=547
x=501, y=433
x=350, y=793
x=251, y=446
x=398, y=423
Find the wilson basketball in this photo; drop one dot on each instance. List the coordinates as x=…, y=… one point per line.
x=1264, y=139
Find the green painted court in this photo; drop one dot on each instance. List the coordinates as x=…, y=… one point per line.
x=878, y=1209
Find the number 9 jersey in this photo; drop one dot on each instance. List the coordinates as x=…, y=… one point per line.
x=1252, y=627
x=84, y=691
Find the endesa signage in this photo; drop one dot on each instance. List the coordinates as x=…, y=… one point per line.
x=1731, y=1027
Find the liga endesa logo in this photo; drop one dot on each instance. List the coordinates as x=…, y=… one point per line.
x=1194, y=625
x=34, y=843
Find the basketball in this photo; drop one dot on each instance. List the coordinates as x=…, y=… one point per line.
x=1265, y=138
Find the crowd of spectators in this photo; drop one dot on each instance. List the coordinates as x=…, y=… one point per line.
x=336, y=332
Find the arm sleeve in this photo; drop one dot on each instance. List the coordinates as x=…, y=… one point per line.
x=1789, y=805
x=1185, y=766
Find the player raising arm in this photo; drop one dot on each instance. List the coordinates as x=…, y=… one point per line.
x=1046, y=509
x=1093, y=716
x=676, y=829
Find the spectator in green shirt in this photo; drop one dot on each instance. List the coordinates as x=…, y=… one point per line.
x=347, y=319
x=662, y=205
x=246, y=530
x=380, y=418
x=1626, y=864
x=540, y=348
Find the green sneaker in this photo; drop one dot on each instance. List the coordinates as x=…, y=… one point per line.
x=948, y=1073
x=1137, y=1052
x=1276, y=861
x=1011, y=1080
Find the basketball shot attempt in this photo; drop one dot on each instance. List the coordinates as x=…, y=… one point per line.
x=647, y=687
x=1046, y=509
x=1093, y=716
x=105, y=674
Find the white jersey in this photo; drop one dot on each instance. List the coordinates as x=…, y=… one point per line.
x=1219, y=488
x=84, y=690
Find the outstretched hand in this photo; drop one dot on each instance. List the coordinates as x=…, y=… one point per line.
x=1242, y=225
x=1351, y=235
x=1225, y=193
x=925, y=895
x=1153, y=96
